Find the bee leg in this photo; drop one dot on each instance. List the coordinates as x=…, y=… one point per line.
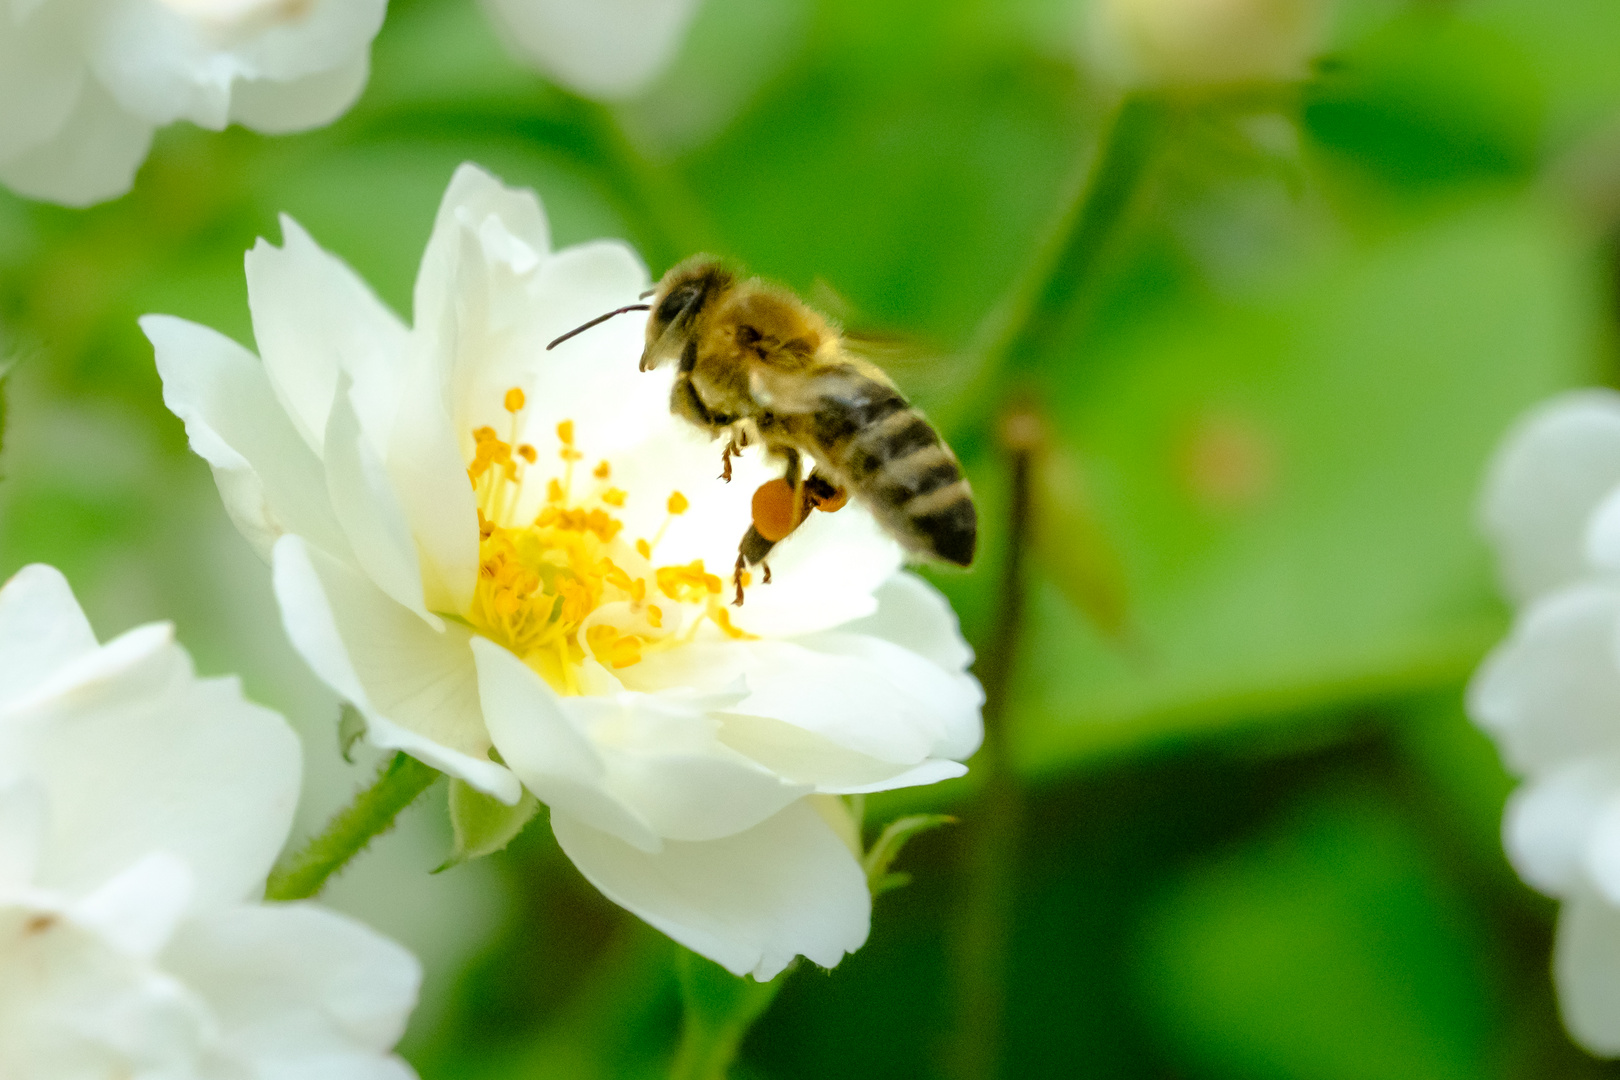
x=767, y=568
x=822, y=494
x=751, y=552
x=725, y=460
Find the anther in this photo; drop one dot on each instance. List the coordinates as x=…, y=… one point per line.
x=514, y=400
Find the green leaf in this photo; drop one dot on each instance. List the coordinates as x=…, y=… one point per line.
x=1332, y=948
x=484, y=824
x=881, y=855
x=351, y=729
x=1291, y=480
x=720, y=1008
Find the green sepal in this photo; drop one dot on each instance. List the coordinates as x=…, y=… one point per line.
x=351, y=729
x=484, y=824
x=881, y=855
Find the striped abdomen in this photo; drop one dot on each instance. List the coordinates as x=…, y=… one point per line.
x=895, y=462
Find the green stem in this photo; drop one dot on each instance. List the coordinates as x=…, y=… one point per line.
x=372, y=813
x=720, y=1008
x=985, y=932
x=1028, y=321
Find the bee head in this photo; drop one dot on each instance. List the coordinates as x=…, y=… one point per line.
x=684, y=291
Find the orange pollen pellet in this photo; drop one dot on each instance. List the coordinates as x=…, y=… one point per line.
x=602, y=471
x=831, y=506
x=514, y=400
x=776, y=509
x=527, y=453
x=565, y=432
x=678, y=503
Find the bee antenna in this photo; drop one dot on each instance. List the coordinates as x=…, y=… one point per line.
x=648, y=293
x=599, y=319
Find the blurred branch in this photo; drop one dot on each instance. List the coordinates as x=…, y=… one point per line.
x=1026, y=322
x=720, y=1008
x=351, y=830
x=997, y=816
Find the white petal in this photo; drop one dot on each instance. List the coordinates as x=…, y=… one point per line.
x=916, y=616
x=365, y=505
x=822, y=576
x=1548, y=824
x=91, y=158
x=165, y=63
x=24, y=824
x=1544, y=484
x=1586, y=964
x=137, y=911
x=313, y=317
x=804, y=757
x=276, y=108
x=297, y=987
x=591, y=379
x=41, y=630
x=136, y=753
x=417, y=687
x=510, y=219
x=606, y=49
x=860, y=692
x=750, y=902
x=41, y=76
x=270, y=480
x=1551, y=691
x=429, y=476
x=542, y=747
x=77, y=1006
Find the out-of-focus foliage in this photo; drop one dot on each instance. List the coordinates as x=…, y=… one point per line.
x=1260, y=838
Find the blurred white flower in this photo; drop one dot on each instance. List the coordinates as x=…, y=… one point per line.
x=84, y=83
x=560, y=607
x=1550, y=694
x=1185, y=43
x=140, y=810
x=607, y=49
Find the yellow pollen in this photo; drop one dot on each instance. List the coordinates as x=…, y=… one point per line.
x=549, y=566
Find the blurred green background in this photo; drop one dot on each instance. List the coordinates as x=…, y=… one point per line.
x=1253, y=834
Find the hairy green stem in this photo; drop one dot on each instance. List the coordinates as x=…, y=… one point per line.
x=1027, y=322
x=720, y=1008
x=372, y=813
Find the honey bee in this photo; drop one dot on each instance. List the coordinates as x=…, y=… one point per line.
x=755, y=363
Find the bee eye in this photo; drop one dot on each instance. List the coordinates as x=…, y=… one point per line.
x=675, y=303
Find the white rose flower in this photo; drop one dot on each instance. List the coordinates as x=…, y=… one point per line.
x=140, y=810
x=84, y=83
x=1550, y=694
x=563, y=608
x=1182, y=43
x=607, y=49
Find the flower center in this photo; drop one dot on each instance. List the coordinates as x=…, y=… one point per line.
x=562, y=583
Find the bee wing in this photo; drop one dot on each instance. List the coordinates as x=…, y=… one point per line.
x=799, y=392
